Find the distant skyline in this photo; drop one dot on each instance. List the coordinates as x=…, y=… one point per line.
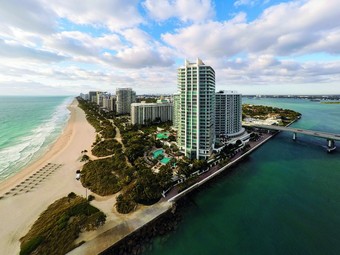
x=255, y=46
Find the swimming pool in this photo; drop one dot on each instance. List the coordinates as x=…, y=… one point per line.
x=164, y=135
x=165, y=160
x=156, y=153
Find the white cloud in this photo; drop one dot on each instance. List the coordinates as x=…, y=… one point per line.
x=266, y=69
x=286, y=29
x=113, y=48
x=250, y=2
x=113, y=14
x=137, y=37
x=28, y=15
x=78, y=44
x=244, y=2
x=188, y=10
x=138, y=57
x=13, y=50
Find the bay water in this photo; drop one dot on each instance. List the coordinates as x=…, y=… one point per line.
x=282, y=199
x=28, y=127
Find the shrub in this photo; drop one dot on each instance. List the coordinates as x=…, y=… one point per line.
x=103, y=176
x=71, y=195
x=60, y=225
x=31, y=245
x=125, y=203
x=84, y=158
x=90, y=198
x=106, y=148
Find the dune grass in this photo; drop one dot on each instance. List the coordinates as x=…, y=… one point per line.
x=60, y=225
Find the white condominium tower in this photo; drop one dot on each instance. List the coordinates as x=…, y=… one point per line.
x=228, y=118
x=176, y=111
x=146, y=113
x=124, y=98
x=196, y=129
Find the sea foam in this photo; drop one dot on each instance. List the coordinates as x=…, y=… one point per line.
x=29, y=147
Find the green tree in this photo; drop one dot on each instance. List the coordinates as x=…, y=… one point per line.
x=125, y=203
x=147, y=189
x=164, y=176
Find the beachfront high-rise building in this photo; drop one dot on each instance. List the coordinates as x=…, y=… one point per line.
x=93, y=96
x=124, y=98
x=145, y=113
x=109, y=103
x=175, y=118
x=196, y=127
x=228, y=117
x=99, y=100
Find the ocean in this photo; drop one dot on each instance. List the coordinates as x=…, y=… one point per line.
x=28, y=127
x=284, y=198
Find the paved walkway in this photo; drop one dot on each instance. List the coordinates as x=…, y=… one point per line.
x=115, y=232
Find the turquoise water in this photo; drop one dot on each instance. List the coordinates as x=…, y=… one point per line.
x=156, y=153
x=165, y=160
x=163, y=135
x=28, y=125
x=282, y=199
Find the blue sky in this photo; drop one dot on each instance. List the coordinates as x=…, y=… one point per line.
x=255, y=46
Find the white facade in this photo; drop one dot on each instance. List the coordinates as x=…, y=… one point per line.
x=145, y=113
x=196, y=127
x=228, y=116
x=99, y=98
x=124, y=98
x=176, y=116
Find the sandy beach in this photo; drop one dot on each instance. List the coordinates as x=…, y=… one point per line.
x=27, y=194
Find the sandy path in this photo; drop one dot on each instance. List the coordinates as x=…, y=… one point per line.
x=41, y=184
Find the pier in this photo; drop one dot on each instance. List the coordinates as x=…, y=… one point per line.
x=330, y=137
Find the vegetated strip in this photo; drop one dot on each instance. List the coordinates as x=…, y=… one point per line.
x=57, y=228
x=126, y=170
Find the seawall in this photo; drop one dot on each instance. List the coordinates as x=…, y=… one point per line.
x=118, y=239
x=111, y=237
x=222, y=169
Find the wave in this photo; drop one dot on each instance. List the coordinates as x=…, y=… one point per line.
x=28, y=148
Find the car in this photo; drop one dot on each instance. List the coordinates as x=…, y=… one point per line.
x=78, y=175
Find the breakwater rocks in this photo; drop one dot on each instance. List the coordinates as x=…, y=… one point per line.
x=141, y=239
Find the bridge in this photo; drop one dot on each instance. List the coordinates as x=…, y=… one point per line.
x=330, y=137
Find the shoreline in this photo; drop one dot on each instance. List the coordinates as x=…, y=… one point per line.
x=25, y=195
x=107, y=241
x=77, y=135
x=54, y=148
x=220, y=170
x=140, y=239
x=208, y=176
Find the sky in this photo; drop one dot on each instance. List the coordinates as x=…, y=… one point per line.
x=255, y=46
